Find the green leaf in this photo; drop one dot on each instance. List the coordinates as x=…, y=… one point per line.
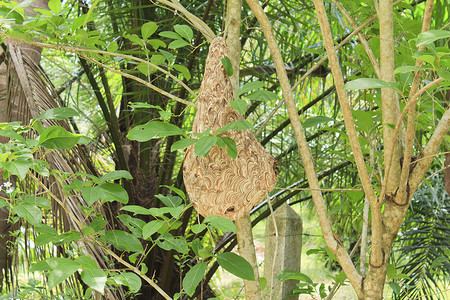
x=58, y=113
x=90, y=194
x=98, y=224
x=112, y=47
x=178, y=44
x=204, y=144
x=54, y=6
x=341, y=276
x=138, y=105
x=39, y=201
x=137, y=210
x=86, y=262
x=95, y=279
x=41, y=167
x=168, y=56
x=168, y=242
x=59, y=138
x=262, y=95
x=184, y=31
x=391, y=271
x=240, y=105
x=249, y=86
x=322, y=291
x=62, y=268
x=109, y=192
x=236, y=265
x=364, y=119
x=148, y=29
x=405, y=69
x=131, y=280
x=430, y=36
x=170, y=35
x=314, y=121
x=193, y=277
x=395, y=287
x=12, y=135
x=226, y=62
x=183, y=143
x=45, y=238
x=370, y=83
x=156, y=43
x=170, y=200
x=40, y=266
x=115, y=175
x=151, y=228
x=183, y=70
x=237, y=125
x=124, y=241
x=29, y=212
x=294, y=275
x=177, y=191
x=153, y=130
x=17, y=167
x=197, y=228
x=220, y=223
x=438, y=261
x=230, y=145
x=145, y=68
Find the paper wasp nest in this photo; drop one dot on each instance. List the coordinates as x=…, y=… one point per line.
x=217, y=184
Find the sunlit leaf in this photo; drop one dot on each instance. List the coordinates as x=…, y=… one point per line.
x=58, y=113
x=431, y=36
x=59, y=138
x=184, y=31
x=153, y=130
x=95, y=279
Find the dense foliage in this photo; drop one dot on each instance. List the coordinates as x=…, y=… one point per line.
x=96, y=128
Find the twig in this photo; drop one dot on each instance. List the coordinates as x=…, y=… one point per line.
x=361, y=37
x=410, y=129
x=138, y=272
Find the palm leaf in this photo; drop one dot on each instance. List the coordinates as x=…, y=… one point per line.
x=424, y=244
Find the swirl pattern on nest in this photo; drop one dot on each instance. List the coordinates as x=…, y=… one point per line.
x=216, y=184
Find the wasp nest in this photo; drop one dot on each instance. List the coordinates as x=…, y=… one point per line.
x=217, y=184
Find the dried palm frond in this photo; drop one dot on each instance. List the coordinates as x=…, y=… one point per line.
x=217, y=184
x=29, y=92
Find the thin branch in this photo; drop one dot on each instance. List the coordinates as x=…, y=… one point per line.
x=361, y=37
x=82, y=51
x=343, y=100
x=148, y=84
x=410, y=129
x=398, y=125
x=428, y=153
x=138, y=272
x=332, y=241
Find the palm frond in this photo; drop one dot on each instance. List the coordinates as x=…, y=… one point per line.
x=29, y=93
x=424, y=244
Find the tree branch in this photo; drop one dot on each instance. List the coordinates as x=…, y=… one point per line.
x=410, y=129
x=332, y=241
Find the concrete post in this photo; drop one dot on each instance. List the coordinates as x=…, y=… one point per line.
x=288, y=251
